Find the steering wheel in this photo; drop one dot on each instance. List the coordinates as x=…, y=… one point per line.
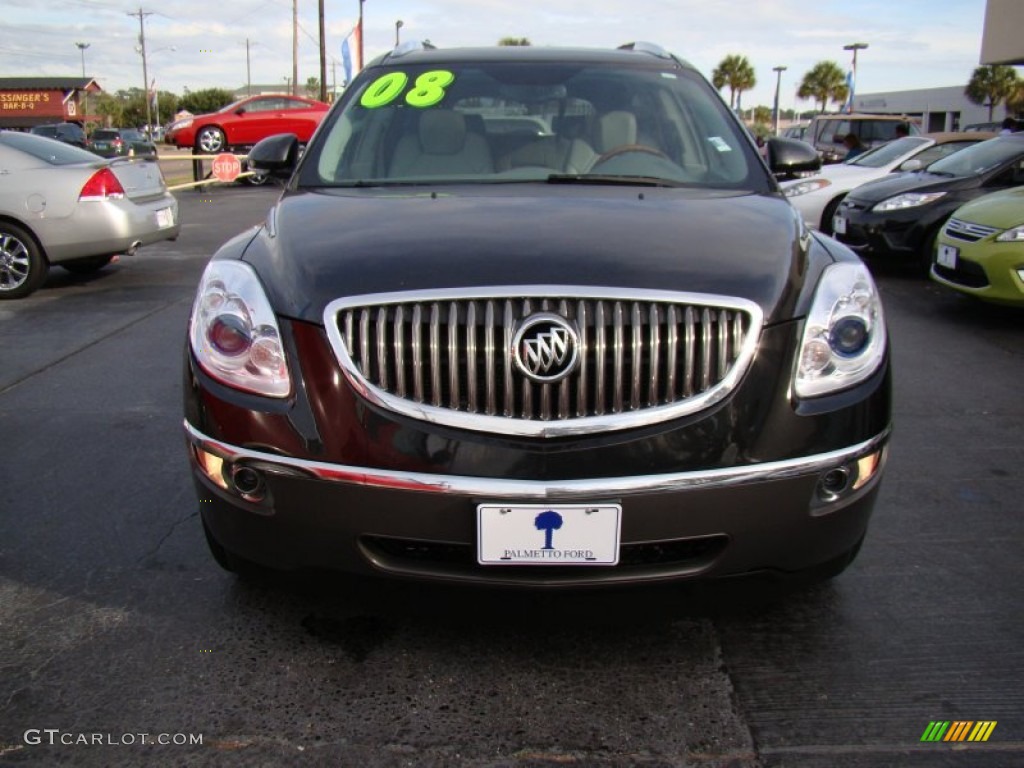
x=625, y=148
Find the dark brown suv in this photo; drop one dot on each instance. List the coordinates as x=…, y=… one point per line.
x=593, y=344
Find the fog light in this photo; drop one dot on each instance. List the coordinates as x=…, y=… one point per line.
x=248, y=482
x=833, y=483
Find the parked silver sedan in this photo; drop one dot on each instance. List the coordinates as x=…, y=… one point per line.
x=63, y=205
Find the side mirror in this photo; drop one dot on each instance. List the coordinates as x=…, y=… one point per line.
x=787, y=158
x=910, y=165
x=240, y=111
x=275, y=155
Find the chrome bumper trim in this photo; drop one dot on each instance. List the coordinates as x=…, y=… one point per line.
x=496, y=488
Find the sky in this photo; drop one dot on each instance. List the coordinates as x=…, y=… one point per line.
x=198, y=44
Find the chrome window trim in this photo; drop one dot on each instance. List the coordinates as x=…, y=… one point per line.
x=535, y=428
x=541, y=490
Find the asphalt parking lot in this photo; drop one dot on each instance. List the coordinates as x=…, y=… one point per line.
x=117, y=629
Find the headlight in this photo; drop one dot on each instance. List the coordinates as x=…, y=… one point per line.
x=234, y=334
x=907, y=200
x=805, y=187
x=1015, y=235
x=844, y=335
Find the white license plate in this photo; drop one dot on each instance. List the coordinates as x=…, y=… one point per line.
x=548, y=534
x=839, y=225
x=947, y=255
x=165, y=218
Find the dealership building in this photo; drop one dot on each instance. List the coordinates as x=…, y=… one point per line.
x=947, y=109
x=29, y=101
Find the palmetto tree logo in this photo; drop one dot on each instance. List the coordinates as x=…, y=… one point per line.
x=549, y=522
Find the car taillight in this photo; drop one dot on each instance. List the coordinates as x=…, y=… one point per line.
x=118, y=143
x=102, y=185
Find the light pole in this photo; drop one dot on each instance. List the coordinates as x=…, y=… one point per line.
x=81, y=47
x=778, y=86
x=854, y=47
x=398, y=26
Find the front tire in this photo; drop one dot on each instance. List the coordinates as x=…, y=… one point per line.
x=828, y=215
x=22, y=263
x=210, y=140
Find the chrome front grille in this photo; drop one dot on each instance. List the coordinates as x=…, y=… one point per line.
x=447, y=356
x=964, y=230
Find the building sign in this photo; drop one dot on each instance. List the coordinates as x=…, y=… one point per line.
x=32, y=104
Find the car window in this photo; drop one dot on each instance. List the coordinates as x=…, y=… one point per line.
x=496, y=121
x=45, y=130
x=939, y=151
x=265, y=105
x=48, y=150
x=132, y=136
x=104, y=134
x=888, y=153
x=979, y=158
x=293, y=104
x=834, y=131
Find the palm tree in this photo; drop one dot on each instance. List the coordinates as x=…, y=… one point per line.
x=991, y=85
x=737, y=73
x=548, y=522
x=825, y=81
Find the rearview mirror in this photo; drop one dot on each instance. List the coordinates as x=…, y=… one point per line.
x=275, y=155
x=787, y=158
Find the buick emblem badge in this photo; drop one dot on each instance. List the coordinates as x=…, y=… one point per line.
x=546, y=347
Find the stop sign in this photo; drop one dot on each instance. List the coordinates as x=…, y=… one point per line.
x=226, y=167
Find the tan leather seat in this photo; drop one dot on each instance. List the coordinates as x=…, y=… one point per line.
x=441, y=146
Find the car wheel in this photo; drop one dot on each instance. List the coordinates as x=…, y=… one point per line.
x=257, y=179
x=210, y=140
x=827, y=215
x=22, y=263
x=86, y=266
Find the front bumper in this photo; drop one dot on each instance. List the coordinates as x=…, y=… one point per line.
x=897, y=233
x=786, y=516
x=987, y=270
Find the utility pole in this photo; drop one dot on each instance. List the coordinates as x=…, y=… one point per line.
x=295, y=46
x=323, y=56
x=145, y=73
x=362, y=62
x=248, y=70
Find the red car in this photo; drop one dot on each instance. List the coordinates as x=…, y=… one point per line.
x=243, y=123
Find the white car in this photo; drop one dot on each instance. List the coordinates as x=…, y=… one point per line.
x=817, y=197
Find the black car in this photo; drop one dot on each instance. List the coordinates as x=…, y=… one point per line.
x=595, y=346
x=901, y=216
x=69, y=133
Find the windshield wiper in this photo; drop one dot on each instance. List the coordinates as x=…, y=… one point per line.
x=597, y=178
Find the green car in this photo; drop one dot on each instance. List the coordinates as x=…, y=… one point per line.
x=980, y=250
x=121, y=142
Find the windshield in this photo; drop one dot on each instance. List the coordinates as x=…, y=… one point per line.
x=979, y=158
x=528, y=120
x=888, y=153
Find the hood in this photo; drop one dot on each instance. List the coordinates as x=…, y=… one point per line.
x=324, y=245
x=915, y=181
x=1000, y=209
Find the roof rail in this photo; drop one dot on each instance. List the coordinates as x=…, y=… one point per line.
x=644, y=47
x=409, y=46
